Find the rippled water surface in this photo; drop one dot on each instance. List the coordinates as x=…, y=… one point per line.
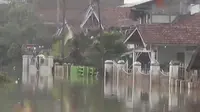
x=91, y=95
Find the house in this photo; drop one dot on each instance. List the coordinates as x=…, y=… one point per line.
x=111, y=18
x=81, y=17
x=167, y=41
x=149, y=12
x=163, y=43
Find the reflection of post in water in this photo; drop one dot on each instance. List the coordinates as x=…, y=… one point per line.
x=23, y=108
x=36, y=91
x=38, y=62
x=61, y=100
x=37, y=77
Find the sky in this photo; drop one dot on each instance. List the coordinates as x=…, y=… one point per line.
x=132, y=1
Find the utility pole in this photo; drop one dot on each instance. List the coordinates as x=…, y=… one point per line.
x=62, y=52
x=58, y=12
x=100, y=35
x=63, y=30
x=170, y=14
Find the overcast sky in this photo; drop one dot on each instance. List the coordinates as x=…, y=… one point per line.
x=132, y=1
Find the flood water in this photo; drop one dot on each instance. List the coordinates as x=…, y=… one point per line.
x=48, y=95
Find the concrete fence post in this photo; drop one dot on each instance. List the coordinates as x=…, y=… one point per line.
x=120, y=67
x=25, y=68
x=177, y=83
x=108, y=68
x=172, y=82
x=190, y=85
x=50, y=61
x=56, y=69
x=173, y=71
x=182, y=85
x=155, y=72
x=65, y=65
x=137, y=68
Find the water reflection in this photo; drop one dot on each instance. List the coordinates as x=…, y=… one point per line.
x=37, y=80
x=140, y=96
x=41, y=93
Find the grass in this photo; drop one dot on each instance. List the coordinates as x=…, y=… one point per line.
x=4, y=78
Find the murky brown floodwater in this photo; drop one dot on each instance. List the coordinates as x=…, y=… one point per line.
x=49, y=95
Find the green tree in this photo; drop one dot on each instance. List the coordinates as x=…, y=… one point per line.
x=108, y=46
x=19, y=25
x=14, y=51
x=76, y=48
x=89, y=50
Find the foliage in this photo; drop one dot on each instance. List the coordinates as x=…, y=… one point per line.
x=4, y=78
x=19, y=25
x=76, y=48
x=108, y=46
x=89, y=51
x=14, y=51
x=112, y=45
x=56, y=48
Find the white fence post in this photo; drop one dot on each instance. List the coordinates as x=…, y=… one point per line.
x=173, y=71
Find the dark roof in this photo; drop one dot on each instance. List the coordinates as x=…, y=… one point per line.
x=117, y=17
x=194, y=63
x=111, y=17
x=169, y=34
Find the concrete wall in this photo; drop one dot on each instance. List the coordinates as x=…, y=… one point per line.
x=174, y=7
x=162, y=18
x=165, y=55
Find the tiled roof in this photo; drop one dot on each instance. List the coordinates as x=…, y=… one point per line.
x=117, y=17
x=74, y=17
x=184, y=30
x=111, y=17
x=169, y=34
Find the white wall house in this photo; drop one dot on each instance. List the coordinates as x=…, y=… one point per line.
x=164, y=43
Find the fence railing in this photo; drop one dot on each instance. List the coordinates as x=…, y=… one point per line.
x=43, y=62
x=163, y=73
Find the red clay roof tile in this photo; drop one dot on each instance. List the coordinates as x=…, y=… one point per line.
x=169, y=34
x=111, y=17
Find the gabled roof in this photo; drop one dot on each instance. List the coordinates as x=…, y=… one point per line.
x=89, y=14
x=111, y=17
x=169, y=34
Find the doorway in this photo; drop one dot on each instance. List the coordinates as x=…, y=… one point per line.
x=145, y=62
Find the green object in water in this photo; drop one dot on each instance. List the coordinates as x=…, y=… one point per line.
x=82, y=74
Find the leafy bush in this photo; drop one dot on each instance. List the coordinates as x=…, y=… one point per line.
x=4, y=78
